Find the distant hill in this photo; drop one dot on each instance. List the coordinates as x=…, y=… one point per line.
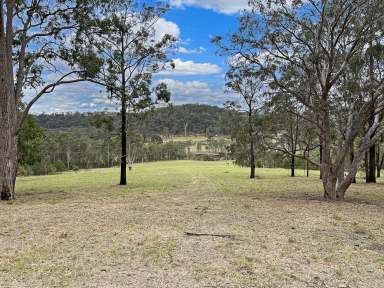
x=63, y=120
x=172, y=120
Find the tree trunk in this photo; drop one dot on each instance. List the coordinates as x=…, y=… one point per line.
x=371, y=178
x=293, y=158
x=68, y=154
x=123, y=162
x=8, y=109
x=380, y=160
x=321, y=156
x=253, y=162
x=340, y=177
x=351, y=158
x=123, y=95
x=252, y=148
x=185, y=129
x=380, y=166
x=8, y=160
x=378, y=172
x=342, y=187
x=366, y=167
x=336, y=185
x=327, y=169
x=108, y=154
x=348, y=180
x=329, y=183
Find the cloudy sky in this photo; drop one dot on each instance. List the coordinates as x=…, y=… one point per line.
x=199, y=73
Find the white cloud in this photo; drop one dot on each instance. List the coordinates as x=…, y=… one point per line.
x=188, y=88
x=86, y=96
x=222, y=6
x=192, y=68
x=195, y=92
x=184, y=50
x=81, y=97
x=163, y=27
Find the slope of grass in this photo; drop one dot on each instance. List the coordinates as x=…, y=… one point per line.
x=80, y=229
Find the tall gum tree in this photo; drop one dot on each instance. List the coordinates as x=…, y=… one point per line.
x=33, y=40
x=285, y=129
x=130, y=50
x=317, y=42
x=246, y=84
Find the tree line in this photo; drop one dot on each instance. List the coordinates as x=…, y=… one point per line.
x=308, y=74
x=188, y=119
x=44, y=151
x=113, y=44
x=94, y=142
x=320, y=62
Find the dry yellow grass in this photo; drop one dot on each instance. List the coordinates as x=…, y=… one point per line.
x=82, y=230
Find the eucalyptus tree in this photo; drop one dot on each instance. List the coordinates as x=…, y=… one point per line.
x=34, y=44
x=125, y=41
x=375, y=58
x=316, y=42
x=289, y=130
x=247, y=84
x=285, y=129
x=105, y=123
x=31, y=138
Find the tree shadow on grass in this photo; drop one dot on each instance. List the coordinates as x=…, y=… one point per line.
x=50, y=196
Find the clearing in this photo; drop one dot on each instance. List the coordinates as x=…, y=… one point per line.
x=80, y=229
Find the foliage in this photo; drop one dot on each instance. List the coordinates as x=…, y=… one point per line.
x=35, y=43
x=240, y=145
x=31, y=139
x=163, y=121
x=315, y=54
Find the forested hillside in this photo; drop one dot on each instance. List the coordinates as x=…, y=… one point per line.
x=171, y=120
x=71, y=141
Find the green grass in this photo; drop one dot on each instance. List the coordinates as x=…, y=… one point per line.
x=157, y=177
x=195, y=139
x=81, y=229
x=169, y=176
x=102, y=183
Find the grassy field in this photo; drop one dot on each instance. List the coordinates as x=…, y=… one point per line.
x=82, y=230
x=195, y=140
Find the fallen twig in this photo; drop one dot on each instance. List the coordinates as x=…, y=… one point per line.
x=212, y=235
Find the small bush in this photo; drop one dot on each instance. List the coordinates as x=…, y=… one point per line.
x=25, y=170
x=60, y=166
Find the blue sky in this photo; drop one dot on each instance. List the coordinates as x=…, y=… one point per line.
x=199, y=73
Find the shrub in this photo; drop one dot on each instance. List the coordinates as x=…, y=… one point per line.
x=25, y=170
